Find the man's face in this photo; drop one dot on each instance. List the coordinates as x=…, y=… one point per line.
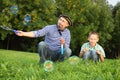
x=62, y=23
x=93, y=39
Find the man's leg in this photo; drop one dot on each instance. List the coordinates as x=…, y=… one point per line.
x=45, y=53
x=42, y=51
x=67, y=53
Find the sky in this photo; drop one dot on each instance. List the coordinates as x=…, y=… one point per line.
x=113, y=2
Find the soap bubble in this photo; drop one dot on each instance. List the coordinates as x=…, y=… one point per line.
x=48, y=66
x=14, y=9
x=27, y=18
x=74, y=60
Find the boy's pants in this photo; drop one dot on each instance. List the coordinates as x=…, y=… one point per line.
x=91, y=55
x=46, y=54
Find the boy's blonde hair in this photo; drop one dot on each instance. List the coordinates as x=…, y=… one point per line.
x=93, y=33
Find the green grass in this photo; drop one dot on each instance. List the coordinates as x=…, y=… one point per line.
x=16, y=65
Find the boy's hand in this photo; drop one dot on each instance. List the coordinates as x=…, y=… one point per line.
x=100, y=55
x=85, y=50
x=99, y=52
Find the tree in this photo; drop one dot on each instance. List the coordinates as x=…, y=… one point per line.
x=115, y=46
x=42, y=12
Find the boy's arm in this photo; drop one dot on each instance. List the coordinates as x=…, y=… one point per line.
x=81, y=54
x=101, y=56
x=83, y=51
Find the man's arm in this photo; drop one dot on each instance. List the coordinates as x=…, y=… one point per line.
x=26, y=34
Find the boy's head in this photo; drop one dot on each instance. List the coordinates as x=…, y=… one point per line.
x=93, y=38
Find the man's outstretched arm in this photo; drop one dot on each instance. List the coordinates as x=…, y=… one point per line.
x=26, y=34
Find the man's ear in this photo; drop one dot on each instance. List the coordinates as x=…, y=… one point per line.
x=67, y=25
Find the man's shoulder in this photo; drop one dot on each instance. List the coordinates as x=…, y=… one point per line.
x=50, y=27
x=54, y=25
x=67, y=30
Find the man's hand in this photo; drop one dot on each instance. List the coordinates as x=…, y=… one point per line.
x=62, y=41
x=26, y=34
x=19, y=33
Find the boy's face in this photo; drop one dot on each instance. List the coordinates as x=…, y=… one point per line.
x=62, y=23
x=93, y=39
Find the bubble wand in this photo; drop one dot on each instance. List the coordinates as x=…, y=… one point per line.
x=8, y=29
x=62, y=52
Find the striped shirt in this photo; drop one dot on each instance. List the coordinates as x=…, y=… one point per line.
x=52, y=36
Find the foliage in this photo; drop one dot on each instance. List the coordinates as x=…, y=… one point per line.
x=115, y=48
x=42, y=12
x=15, y=65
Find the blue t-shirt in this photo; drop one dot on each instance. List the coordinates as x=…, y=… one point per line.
x=52, y=36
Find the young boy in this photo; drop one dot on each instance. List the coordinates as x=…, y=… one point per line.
x=92, y=50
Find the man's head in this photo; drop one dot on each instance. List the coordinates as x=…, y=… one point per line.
x=93, y=38
x=64, y=21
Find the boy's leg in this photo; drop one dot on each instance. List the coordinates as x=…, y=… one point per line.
x=86, y=55
x=94, y=55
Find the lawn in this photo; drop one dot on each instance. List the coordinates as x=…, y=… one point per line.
x=17, y=65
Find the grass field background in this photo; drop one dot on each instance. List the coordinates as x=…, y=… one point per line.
x=17, y=65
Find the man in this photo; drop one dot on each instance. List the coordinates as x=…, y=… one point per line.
x=55, y=36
